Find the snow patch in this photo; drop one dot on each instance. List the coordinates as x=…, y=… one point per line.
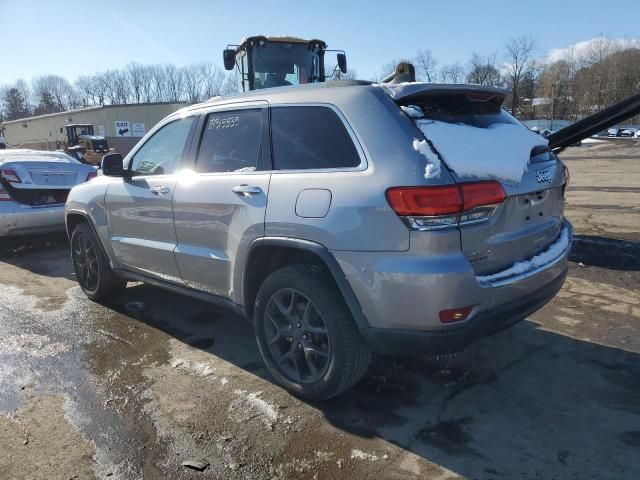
x=25, y=154
x=199, y=369
x=413, y=111
x=360, y=455
x=499, y=151
x=394, y=90
x=33, y=345
x=554, y=251
x=432, y=169
x=262, y=407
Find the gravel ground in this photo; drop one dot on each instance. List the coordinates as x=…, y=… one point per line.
x=137, y=387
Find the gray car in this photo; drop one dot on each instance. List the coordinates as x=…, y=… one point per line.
x=339, y=218
x=33, y=188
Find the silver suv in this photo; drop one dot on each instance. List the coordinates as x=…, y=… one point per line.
x=309, y=211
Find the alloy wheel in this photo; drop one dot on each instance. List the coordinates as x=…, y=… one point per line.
x=85, y=260
x=297, y=336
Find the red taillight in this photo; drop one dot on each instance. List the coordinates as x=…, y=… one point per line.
x=455, y=314
x=425, y=201
x=477, y=194
x=91, y=175
x=444, y=200
x=10, y=175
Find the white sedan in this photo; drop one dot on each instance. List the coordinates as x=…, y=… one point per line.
x=34, y=185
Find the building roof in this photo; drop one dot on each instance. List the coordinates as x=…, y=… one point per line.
x=89, y=109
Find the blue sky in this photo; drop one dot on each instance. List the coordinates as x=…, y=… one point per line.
x=38, y=37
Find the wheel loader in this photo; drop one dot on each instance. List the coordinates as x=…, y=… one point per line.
x=83, y=145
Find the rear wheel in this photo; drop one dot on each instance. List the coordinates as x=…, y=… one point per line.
x=91, y=267
x=306, y=334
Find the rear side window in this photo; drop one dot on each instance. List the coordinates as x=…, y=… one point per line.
x=231, y=142
x=305, y=138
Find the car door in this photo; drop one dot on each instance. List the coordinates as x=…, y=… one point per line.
x=139, y=209
x=219, y=209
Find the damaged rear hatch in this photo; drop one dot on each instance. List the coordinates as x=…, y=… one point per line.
x=483, y=146
x=39, y=178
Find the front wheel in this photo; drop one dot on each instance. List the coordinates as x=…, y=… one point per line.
x=91, y=266
x=306, y=334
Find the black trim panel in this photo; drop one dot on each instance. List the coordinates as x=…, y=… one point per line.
x=330, y=262
x=206, y=297
x=415, y=342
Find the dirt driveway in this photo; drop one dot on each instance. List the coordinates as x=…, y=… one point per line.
x=135, y=388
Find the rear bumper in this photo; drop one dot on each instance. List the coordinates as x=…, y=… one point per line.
x=19, y=219
x=402, y=293
x=413, y=342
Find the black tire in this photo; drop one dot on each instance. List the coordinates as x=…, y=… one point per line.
x=337, y=364
x=93, y=273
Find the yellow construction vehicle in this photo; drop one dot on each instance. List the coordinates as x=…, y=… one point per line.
x=83, y=145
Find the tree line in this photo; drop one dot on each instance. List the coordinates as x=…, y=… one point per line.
x=573, y=84
x=135, y=83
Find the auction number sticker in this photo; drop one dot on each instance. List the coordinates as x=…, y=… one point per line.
x=216, y=123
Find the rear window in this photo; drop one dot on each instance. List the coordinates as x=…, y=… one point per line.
x=457, y=108
x=231, y=142
x=307, y=138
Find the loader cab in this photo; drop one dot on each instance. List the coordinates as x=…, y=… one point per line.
x=267, y=62
x=75, y=131
x=84, y=145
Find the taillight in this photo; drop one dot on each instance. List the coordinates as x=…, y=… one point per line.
x=446, y=206
x=4, y=195
x=427, y=201
x=10, y=175
x=478, y=194
x=91, y=175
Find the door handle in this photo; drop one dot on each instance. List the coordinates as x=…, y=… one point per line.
x=247, y=190
x=160, y=190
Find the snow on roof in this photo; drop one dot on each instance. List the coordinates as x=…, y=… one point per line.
x=24, y=154
x=397, y=91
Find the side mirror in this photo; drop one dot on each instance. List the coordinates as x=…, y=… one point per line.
x=229, y=57
x=342, y=62
x=111, y=165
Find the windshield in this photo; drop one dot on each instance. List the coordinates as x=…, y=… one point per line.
x=277, y=64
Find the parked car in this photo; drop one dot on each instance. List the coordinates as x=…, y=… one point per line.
x=627, y=132
x=322, y=214
x=613, y=132
x=33, y=188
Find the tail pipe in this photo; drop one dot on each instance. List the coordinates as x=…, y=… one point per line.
x=595, y=123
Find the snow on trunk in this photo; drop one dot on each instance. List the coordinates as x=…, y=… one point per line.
x=500, y=151
x=554, y=251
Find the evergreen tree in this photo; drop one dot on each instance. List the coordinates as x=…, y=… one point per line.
x=15, y=104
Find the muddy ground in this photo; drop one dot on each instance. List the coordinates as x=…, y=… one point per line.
x=134, y=388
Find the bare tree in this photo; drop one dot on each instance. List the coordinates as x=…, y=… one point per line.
x=58, y=89
x=174, y=83
x=426, y=65
x=193, y=80
x=158, y=80
x=453, y=73
x=483, y=70
x=135, y=78
x=213, y=79
x=519, y=58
